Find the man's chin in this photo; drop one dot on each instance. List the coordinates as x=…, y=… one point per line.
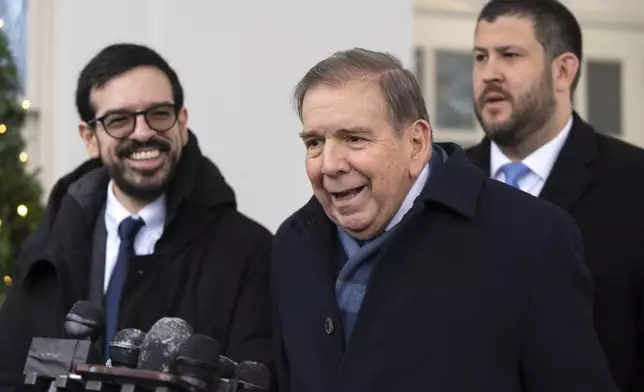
x=498, y=128
x=357, y=225
x=147, y=192
x=141, y=185
x=505, y=137
x=493, y=119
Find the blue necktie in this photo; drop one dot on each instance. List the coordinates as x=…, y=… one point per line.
x=128, y=230
x=514, y=172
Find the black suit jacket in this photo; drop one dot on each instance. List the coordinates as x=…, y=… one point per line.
x=481, y=288
x=600, y=181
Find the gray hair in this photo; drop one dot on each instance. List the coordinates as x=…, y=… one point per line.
x=399, y=86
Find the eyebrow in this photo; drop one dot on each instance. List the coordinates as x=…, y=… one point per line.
x=342, y=131
x=129, y=110
x=503, y=48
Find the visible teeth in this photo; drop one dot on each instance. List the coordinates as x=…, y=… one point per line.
x=144, y=155
x=348, y=194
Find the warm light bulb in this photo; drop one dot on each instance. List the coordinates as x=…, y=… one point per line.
x=23, y=157
x=3, y=129
x=26, y=104
x=22, y=210
x=7, y=280
x=0, y=222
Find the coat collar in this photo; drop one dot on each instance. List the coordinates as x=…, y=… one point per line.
x=456, y=184
x=570, y=175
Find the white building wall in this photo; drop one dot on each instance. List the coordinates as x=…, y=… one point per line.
x=238, y=61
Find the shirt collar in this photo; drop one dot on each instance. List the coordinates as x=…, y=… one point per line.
x=413, y=193
x=539, y=161
x=152, y=214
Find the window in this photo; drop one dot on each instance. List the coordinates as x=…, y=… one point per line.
x=604, y=93
x=454, y=104
x=419, y=57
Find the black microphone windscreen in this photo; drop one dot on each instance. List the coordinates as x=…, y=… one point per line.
x=226, y=367
x=125, y=347
x=84, y=320
x=202, y=349
x=162, y=343
x=198, y=358
x=255, y=373
x=90, y=311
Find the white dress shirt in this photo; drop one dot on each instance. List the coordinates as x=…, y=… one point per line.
x=540, y=162
x=408, y=202
x=154, y=217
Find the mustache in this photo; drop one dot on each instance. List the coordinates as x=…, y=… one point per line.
x=491, y=88
x=131, y=146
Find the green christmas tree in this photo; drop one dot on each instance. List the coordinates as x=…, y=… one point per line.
x=20, y=191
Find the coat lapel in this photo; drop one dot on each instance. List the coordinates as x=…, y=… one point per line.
x=479, y=155
x=570, y=175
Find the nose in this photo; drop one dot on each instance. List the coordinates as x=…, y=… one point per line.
x=142, y=130
x=490, y=72
x=334, y=160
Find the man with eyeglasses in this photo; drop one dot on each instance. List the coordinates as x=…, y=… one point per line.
x=147, y=228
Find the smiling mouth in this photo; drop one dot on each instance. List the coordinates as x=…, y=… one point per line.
x=145, y=155
x=348, y=194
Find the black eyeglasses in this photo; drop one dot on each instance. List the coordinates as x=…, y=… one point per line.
x=121, y=123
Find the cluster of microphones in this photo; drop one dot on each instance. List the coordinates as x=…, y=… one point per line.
x=168, y=358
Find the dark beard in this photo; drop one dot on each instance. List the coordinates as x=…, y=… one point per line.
x=142, y=192
x=145, y=192
x=530, y=113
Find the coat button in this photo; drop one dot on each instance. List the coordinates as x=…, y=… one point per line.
x=328, y=326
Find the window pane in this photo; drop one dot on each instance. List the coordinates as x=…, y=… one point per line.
x=604, y=96
x=14, y=16
x=454, y=109
x=575, y=105
x=419, y=55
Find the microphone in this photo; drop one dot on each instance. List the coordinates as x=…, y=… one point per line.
x=249, y=376
x=226, y=367
x=49, y=359
x=162, y=343
x=170, y=358
x=124, y=348
x=85, y=320
x=156, y=362
x=197, y=360
x=255, y=375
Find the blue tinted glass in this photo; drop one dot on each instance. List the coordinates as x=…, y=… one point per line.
x=14, y=15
